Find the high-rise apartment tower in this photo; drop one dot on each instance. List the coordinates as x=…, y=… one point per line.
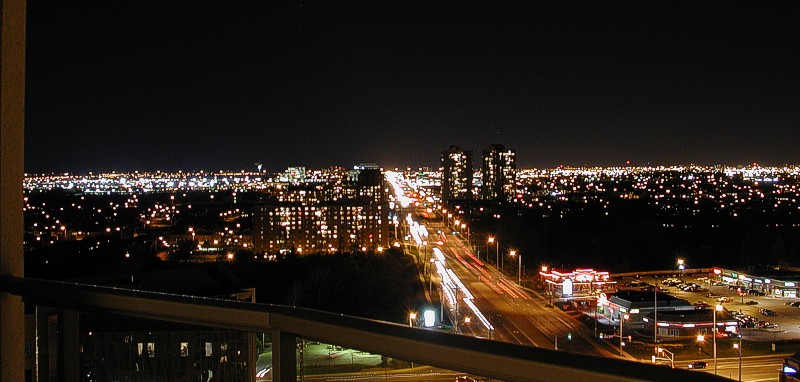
x=456, y=174
x=499, y=173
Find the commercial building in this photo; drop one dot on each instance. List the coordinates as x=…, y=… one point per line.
x=683, y=324
x=456, y=174
x=346, y=213
x=499, y=173
x=770, y=282
x=579, y=284
x=638, y=304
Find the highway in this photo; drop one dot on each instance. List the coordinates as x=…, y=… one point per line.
x=518, y=316
x=524, y=317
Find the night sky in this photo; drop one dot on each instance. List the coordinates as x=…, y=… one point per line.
x=147, y=85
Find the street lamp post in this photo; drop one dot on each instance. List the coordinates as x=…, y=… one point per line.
x=700, y=339
x=519, y=265
x=622, y=318
x=655, y=311
x=430, y=277
x=411, y=317
x=739, y=346
x=717, y=308
x=497, y=258
x=681, y=266
x=425, y=249
x=502, y=259
x=455, y=313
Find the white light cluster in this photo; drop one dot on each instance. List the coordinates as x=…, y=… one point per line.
x=451, y=284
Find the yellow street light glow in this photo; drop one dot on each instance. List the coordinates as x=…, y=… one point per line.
x=491, y=239
x=700, y=338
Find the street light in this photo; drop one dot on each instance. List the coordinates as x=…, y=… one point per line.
x=430, y=276
x=622, y=319
x=714, y=333
x=411, y=316
x=519, y=265
x=497, y=254
x=739, y=346
x=700, y=339
x=424, y=249
x=681, y=266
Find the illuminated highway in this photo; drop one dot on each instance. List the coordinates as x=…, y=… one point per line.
x=519, y=316
x=514, y=315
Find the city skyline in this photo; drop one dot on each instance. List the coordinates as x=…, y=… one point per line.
x=127, y=87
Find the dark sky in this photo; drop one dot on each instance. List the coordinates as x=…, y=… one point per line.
x=146, y=85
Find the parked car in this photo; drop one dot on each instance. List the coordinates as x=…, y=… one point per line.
x=767, y=325
x=768, y=312
x=711, y=295
x=795, y=304
x=698, y=365
x=737, y=313
x=751, y=302
x=724, y=299
x=755, y=292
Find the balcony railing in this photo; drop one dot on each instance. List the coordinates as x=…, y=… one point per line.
x=487, y=358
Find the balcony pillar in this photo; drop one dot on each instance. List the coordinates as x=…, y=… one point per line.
x=12, y=129
x=69, y=347
x=284, y=356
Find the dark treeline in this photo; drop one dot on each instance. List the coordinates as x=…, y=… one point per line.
x=382, y=286
x=631, y=236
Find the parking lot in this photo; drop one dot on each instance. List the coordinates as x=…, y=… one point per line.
x=786, y=317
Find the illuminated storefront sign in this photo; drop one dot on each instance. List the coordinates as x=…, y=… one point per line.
x=567, y=287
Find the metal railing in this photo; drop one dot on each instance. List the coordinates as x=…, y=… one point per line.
x=493, y=359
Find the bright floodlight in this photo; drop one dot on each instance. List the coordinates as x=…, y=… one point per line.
x=429, y=316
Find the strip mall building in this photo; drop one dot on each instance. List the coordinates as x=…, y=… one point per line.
x=772, y=282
